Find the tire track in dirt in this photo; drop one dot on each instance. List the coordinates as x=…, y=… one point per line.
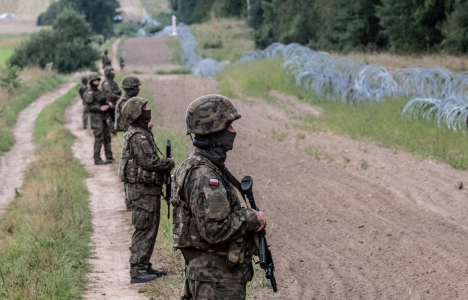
x=14, y=163
x=111, y=239
x=115, y=62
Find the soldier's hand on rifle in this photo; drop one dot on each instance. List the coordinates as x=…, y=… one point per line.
x=104, y=107
x=261, y=219
x=110, y=104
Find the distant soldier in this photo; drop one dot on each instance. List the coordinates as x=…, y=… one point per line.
x=122, y=63
x=131, y=85
x=100, y=42
x=82, y=91
x=142, y=171
x=106, y=62
x=112, y=92
x=214, y=232
x=104, y=34
x=98, y=106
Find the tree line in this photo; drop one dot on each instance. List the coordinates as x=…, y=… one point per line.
x=399, y=26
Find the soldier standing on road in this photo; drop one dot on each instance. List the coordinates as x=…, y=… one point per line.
x=112, y=92
x=98, y=107
x=131, y=85
x=214, y=233
x=82, y=91
x=106, y=62
x=142, y=171
x=122, y=63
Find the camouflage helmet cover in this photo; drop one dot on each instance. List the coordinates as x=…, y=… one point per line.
x=132, y=109
x=93, y=76
x=129, y=82
x=210, y=114
x=84, y=79
x=107, y=70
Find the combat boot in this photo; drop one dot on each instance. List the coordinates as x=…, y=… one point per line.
x=158, y=273
x=100, y=162
x=110, y=160
x=143, y=277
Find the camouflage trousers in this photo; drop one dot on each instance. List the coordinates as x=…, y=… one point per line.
x=101, y=135
x=145, y=220
x=85, y=118
x=200, y=290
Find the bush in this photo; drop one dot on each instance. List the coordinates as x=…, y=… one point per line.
x=67, y=46
x=9, y=78
x=128, y=29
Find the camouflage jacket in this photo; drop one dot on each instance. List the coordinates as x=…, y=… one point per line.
x=106, y=61
x=141, y=168
x=216, y=218
x=111, y=90
x=120, y=122
x=82, y=91
x=94, y=99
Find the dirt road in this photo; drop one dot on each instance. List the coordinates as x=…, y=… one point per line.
x=15, y=162
x=115, y=62
x=394, y=227
x=110, y=277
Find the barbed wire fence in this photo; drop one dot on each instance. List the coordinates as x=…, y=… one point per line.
x=436, y=93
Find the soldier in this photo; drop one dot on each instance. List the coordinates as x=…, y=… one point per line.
x=142, y=171
x=131, y=85
x=97, y=107
x=214, y=233
x=122, y=63
x=106, y=62
x=112, y=93
x=82, y=91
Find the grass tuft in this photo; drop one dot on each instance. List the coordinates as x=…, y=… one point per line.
x=46, y=230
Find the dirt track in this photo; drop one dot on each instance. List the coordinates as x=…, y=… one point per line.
x=396, y=230
x=15, y=162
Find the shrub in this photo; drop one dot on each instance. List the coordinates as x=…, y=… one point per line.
x=67, y=46
x=9, y=78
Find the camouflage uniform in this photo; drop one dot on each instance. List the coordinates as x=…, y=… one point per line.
x=142, y=171
x=112, y=92
x=106, y=62
x=129, y=82
x=94, y=100
x=82, y=91
x=212, y=229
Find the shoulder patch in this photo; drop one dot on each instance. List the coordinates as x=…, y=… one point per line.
x=143, y=137
x=90, y=93
x=214, y=181
x=106, y=82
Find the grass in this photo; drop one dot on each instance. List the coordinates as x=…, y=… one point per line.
x=25, y=7
x=226, y=41
x=173, y=72
x=154, y=7
x=380, y=122
x=8, y=43
x=176, y=47
x=46, y=230
x=10, y=107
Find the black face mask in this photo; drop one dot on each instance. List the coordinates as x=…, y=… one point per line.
x=146, y=116
x=226, y=139
x=132, y=92
x=111, y=76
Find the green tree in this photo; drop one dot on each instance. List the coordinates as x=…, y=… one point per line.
x=99, y=13
x=455, y=30
x=67, y=45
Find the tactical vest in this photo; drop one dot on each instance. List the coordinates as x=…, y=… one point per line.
x=185, y=232
x=131, y=172
x=120, y=123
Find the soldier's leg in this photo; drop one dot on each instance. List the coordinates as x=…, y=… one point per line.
x=85, y=118
x=199, y=290
x=145, y=219
x=98, y=131
x=107, y=139
x=128, y=203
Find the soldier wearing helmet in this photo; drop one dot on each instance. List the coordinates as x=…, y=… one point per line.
x=106, y=62
x=82, y=91
x=97, y=106
x=142, y=171
x=111, y=90
x=213, y=231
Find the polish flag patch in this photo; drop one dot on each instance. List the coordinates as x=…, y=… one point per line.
x=143, y=137
x=214, y=182
x=90, y=93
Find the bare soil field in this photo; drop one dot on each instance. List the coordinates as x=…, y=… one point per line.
x=15, y=162
x=19, y=25
x=392, y=228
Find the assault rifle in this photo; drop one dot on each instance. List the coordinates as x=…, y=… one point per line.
x=264, y=253
x=168, y=181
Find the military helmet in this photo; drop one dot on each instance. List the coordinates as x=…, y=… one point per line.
x=210, y=114
x=107, y=70
x=132, y=109
x=129, y=82
x=93, y=76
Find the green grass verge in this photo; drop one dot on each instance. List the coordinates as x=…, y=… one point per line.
x=9, y=112
x=380, y=122
x=173, y=72
x=227, y=40
x=8, y=43
x=46, y=231
x=176, y=47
